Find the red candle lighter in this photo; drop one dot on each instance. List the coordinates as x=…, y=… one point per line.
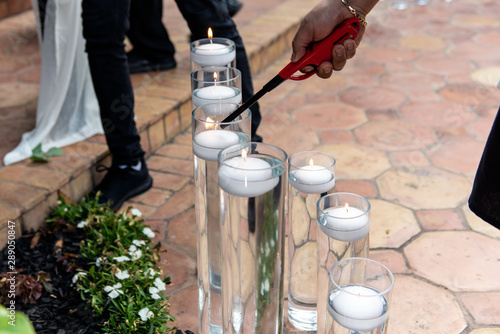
x=315, y=55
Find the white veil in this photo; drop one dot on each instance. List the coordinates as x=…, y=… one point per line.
x=67, y=110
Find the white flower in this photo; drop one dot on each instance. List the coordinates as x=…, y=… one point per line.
x=148, y=232
x=150, y=272
x=136, y=212
x=98, y=261
x=136, y=255
x=121, y=258
x=139, y=243
x=77, y=275
x=160, y=285
x=82, y=224
x=65, y=210
x=145, y=314
x=154, y=292
x=132, y=248
x=113, y=291
x=122, y=274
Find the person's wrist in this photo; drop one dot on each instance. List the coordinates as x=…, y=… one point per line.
x=355, y=11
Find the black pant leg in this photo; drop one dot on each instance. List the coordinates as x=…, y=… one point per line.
x=147, y=32
x=104, y=27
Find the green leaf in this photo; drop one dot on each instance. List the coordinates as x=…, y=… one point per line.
x=37, y=150
x=39, y=158
x=54, y=152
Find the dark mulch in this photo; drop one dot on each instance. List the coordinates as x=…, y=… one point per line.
x=62, y=311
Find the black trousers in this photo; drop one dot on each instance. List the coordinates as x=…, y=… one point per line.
x=105, y=24
x=484, y=200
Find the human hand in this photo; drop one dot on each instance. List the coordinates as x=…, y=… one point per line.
x=317, y=25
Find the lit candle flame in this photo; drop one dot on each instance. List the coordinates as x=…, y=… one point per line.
x=215, y=78
x=311, y=162
x=209, y=126
x=347, y=207
x=210, y=35
x=244, y=154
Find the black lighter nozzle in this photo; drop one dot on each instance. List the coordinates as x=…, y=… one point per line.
x=272, y=84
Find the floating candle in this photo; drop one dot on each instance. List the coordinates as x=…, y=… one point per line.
x=246, y=176
x=312, y=179
x=358, y=307
x=216, y=93
x=344, y=223
x=205, y=52
x=207, y=144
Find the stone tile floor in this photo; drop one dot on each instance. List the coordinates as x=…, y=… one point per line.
x=406, y=120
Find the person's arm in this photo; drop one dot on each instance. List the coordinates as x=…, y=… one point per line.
x=320, y=22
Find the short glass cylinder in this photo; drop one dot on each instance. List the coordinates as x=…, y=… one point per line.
x=310, y=175
x=359, y=296
x=253, y=222
x=343, y=232
x=215, y=51
x=215, y=85
x=209, y=138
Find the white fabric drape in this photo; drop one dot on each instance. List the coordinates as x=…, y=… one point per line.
x=67, y=110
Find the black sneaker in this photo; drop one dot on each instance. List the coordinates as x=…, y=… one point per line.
x=137, y=64
x=120, y=184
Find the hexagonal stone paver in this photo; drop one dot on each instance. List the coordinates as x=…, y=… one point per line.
x=422, y=43
x=423, y=188
x=479, y=225
x=390, y=225
x=391, y=55
x=438, y=114
x=372, y=97
x=473, y=20
x=486, y=331
x=446, y=66
x=395, y=135
x=330, y=116
x=486, y=76
x=483, y=307
x=291, y=138
x=421, y=308
x=471, y=95
x=412, y=80
x=459, y=261
x=355, y=161
x=461, y=156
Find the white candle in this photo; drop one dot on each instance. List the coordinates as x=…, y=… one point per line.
x=213, y=54
x=345, y=223
x=214, y=94
x=246, y=177
x=208, y=144
x=312, y=179
x=358, y=308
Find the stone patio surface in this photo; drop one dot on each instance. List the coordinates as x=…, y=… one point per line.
x=406, y=120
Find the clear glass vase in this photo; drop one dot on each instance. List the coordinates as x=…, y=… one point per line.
x=253, y=221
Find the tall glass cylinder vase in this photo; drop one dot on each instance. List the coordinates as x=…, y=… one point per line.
x=359, y=297
x=212, y=52
x=311, y=175
x=343, y=232
x=253, y=181
x=215, y=85
x=209, y=137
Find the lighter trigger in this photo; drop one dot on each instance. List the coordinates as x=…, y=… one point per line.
x=298, y=77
